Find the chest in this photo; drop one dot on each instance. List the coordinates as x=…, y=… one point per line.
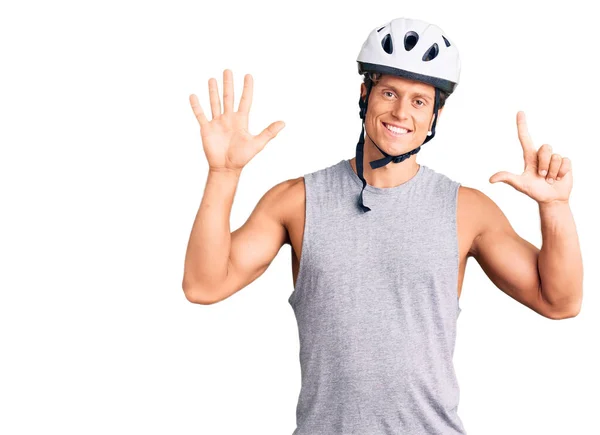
x=337, y=243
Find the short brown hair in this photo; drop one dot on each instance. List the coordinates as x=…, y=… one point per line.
x=375, y=77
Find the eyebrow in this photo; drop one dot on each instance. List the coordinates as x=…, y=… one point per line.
x=414, y=94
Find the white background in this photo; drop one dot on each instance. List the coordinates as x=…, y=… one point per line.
x=102, y=172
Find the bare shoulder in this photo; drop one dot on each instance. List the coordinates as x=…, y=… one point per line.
x=288, y=193
x=283, y=194
x=283, y=201
x=471, y=199
x=294, y=186
x=479, y=214
x=292, y=202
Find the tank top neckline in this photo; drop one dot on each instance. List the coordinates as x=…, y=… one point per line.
x=383, y=190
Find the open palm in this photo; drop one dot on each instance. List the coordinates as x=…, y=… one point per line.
x=546, y=178
x=227, y=143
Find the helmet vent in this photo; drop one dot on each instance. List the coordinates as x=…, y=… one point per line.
x=380, y=29
x=410, y=40
x=431, y=53
x=387, y=45
x=446, y=41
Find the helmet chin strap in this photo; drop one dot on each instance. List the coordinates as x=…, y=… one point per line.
x=388, y=158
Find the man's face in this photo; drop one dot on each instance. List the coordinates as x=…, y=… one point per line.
x=403, y=103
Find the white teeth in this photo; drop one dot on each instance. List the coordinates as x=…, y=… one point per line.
x=396, y=129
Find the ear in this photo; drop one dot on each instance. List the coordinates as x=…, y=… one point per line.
x=439, y=115
x=363, y=91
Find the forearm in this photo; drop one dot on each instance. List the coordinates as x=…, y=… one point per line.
x=559, y=262
x=207, y=255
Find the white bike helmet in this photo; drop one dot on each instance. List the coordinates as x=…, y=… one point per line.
x=412, y=49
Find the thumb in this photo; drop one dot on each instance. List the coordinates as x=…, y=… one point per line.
x=270, y=132
x=506, y=177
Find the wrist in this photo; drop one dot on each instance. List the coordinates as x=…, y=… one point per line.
x=549, y=205
x=225, y=171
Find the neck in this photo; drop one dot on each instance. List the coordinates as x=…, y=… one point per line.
x=390, y=175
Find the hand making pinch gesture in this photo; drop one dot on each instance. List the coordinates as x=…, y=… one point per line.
x=547, y=177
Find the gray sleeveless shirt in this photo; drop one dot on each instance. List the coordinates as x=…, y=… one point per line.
x=376, y=304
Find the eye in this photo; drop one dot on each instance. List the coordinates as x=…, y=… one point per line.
x=388, y=92
x=422, y=102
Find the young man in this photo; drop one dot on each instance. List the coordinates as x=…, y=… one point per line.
x=377, y=285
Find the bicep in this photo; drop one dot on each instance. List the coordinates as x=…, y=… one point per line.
x=508, y=260
x=256, y=243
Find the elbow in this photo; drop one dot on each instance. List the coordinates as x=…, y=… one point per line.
x=196, y=295
x=566, y=311
x=567, y=308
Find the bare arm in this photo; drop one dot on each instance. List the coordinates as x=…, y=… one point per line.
x=560, y=262
x=549, y=281
x=207, y=254
x=249, y=250
x=508, y=260
x=229, y=147
x=517, y=267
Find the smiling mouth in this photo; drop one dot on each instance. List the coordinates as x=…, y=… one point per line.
x=396, y=133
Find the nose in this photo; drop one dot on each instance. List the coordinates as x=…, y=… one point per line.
x=401, y=108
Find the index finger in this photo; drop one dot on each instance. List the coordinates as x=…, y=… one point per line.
x=524, y=137
x=246, y=100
